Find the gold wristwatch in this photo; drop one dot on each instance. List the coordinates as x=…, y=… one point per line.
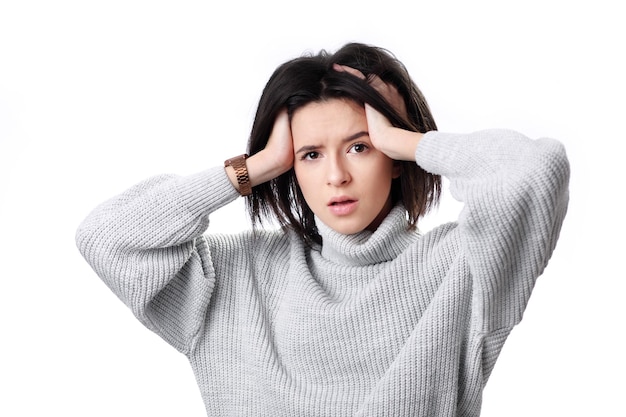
x=241, y=172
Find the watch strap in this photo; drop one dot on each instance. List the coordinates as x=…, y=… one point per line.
x=241, y=172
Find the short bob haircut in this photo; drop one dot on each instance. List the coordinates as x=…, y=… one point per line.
x=311, y=78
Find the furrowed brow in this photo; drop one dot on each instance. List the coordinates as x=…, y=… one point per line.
x=356, y=136
x=308, y=148
x=311, y=148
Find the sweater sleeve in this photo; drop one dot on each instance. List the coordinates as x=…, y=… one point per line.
x=515, y=194
x=147, y=245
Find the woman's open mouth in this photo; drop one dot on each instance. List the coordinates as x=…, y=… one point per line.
x=342, y=206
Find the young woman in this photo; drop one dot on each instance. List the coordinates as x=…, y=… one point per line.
x=347, y=309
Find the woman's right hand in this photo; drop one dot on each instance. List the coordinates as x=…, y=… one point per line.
x=277, y=156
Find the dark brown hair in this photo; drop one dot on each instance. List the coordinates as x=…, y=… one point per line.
x=311, y=78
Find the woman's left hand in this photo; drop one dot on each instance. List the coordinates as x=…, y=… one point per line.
x=396, y=143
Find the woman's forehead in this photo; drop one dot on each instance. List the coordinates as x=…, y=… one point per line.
x=335, y=118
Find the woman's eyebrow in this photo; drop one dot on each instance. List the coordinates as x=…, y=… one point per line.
x=309, y=148
x=356, y=136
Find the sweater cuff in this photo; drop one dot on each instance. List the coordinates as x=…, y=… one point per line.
x=207, y=191
x=436, y=152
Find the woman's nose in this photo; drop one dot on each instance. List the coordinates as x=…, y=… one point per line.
x=337, y=174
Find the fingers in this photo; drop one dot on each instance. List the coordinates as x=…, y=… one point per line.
x=398, y=144
x=376, y=118
x=349, y=70
x=282, y=118
x=280, y=143
x=281, y=131
x=378, y=127
x=387, y=90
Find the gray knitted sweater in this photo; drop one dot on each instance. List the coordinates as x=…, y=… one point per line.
x=390, y=323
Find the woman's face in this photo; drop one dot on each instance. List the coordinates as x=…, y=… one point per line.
x=344, y=179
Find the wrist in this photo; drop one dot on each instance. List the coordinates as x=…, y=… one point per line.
x=403, y=144
x=263, y=167
x=237, y=171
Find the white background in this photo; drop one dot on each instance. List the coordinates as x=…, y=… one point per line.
x=97, y=95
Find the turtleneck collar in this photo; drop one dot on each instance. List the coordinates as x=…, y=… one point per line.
x=368, y=248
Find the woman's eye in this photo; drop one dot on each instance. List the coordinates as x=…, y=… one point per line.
x=358, y=148
x=310, y=155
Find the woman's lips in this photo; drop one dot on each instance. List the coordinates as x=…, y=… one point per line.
x=343, y=207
